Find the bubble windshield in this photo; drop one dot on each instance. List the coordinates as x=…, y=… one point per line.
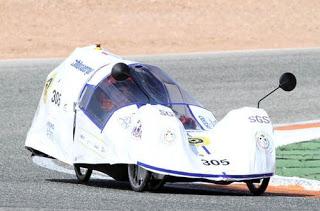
x=146, y=85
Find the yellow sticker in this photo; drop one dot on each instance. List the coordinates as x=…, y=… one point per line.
x=199, y=141
x=47, y=87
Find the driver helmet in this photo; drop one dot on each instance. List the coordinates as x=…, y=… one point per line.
x=106, y=103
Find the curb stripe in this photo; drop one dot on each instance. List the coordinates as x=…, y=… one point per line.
x=298, y=126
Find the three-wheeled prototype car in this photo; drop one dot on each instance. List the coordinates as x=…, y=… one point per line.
x=133, y=122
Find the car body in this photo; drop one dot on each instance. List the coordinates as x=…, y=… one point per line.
x=148, y=129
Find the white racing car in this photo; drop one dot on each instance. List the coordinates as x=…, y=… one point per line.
x=134, y=123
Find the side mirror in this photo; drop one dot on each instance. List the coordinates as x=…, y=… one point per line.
x=120, y=71
x=287, y=82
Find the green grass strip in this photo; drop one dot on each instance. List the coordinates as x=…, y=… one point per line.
x=299, y=159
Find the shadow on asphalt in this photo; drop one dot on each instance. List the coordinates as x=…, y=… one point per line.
x=176, y=188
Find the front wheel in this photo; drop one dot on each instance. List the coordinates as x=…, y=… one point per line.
x=138, y=177
x=83, y=174
x=258, y=188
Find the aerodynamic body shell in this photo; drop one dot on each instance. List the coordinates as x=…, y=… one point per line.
x=86, y=117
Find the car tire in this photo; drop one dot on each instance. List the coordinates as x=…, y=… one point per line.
x=258, y=188
x=83, y=174
x=138, y=177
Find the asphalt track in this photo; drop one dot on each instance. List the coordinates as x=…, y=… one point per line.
x=221, y=81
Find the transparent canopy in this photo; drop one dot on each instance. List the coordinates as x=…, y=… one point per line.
x=146, y=85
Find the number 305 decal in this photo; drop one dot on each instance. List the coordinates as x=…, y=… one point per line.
x=56, y=97
x=223, y=162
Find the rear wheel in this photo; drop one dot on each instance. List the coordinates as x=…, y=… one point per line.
x=138, y=177
x=258, y=187
x=83, y=174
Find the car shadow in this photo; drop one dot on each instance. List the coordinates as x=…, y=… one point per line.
x=180, y=188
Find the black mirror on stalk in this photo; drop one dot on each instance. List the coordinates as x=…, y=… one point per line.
x=287, y=82
x=120, y=71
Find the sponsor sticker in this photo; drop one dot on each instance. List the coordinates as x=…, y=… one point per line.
x=79, y=65
x=166, y=113
x=263, y=141
x=47, y=86
x=205, y=141
x=209, y=124
x=259, y=119
x=50, y=130
x=137, y=130
x=125, y=122
x=169, y=135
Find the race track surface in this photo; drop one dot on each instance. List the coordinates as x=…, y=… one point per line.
x=220, y=81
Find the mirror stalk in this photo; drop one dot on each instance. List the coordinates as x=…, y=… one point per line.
x=267, y=95
x=287, y=82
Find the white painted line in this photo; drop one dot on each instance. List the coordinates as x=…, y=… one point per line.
x=52, y=165
x=307, y=184
x=289, y=137
x=284, y=137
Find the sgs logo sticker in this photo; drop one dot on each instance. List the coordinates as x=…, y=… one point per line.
x=259, y=119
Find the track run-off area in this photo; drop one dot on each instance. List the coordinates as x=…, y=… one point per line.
x=220, y=81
